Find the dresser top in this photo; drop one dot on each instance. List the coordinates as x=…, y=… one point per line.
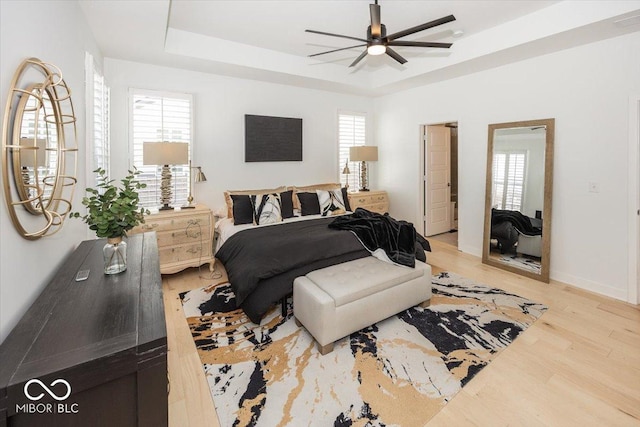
x=108, y=322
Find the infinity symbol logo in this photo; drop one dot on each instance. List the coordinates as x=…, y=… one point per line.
x=47, y=389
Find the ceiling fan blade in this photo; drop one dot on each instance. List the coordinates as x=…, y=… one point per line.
x=420, y=44
x=421, y=27
x=374, y=9
x=337, y=50
x=359, y=58
x=392, y=53
x=336, y=35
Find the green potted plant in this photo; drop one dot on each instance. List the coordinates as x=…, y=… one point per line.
x=111, y=212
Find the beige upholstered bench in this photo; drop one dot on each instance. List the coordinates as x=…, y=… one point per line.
x=336, y=301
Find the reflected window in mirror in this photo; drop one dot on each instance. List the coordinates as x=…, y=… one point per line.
x=508, y=179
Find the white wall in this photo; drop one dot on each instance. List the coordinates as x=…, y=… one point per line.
x=586, y=90
x=220, y=104
x=55, y=32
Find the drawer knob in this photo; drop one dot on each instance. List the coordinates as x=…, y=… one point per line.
x=361, y=200
x=193, y=250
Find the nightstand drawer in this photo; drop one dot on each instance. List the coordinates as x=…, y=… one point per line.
x=190, y=235
x=185, y=252
x=375, y=201
x=361, y=200
x=175, y=223
x=378, y=207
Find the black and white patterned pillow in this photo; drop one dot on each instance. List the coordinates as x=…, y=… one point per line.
x=267, y=208
x=331, y=202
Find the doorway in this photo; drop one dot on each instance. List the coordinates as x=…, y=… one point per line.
x=440, y=181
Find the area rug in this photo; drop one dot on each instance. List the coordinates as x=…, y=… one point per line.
x=523, y=262
x=400, y=371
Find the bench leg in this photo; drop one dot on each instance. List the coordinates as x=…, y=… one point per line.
x=425, y=304
x=298, y=324
x=324, y=349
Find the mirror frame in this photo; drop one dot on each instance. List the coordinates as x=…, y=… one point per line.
x=45, y=215
x=546, y=209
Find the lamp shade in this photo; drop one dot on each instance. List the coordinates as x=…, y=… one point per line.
x=32, y=156
x=165, y=153
x=364, y=153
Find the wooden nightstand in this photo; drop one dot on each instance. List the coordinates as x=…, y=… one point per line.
x=185, y=237
x=375, y=201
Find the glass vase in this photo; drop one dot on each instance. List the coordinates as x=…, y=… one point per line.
x=115, y=255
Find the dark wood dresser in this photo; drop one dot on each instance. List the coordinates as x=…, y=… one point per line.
x=96, y=350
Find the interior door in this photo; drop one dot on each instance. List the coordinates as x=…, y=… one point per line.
x=437, y=177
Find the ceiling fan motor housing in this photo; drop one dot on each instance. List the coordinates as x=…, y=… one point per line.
x=383, y=32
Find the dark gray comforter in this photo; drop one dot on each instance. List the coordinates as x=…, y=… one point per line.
x=263, y=262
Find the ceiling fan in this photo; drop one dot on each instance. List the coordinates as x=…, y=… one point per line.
x=378, y=42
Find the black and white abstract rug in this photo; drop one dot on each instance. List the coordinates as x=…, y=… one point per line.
x=398, y=372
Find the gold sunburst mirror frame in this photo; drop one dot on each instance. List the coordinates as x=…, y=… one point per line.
x=39, y=149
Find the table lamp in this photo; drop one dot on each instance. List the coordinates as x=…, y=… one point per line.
x=346, y=172
x=363, y=154
x=165, y=154
x=198, y=177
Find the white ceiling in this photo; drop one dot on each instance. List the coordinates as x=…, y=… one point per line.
x=265, y=40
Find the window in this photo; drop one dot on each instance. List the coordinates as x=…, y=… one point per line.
x=508, y=180
x=352, y=132
x=98, y=93
x=157, y=117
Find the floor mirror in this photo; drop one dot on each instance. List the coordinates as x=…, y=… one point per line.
x=517, y=227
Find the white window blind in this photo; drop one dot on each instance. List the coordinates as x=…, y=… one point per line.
x=508, y=179
x=352, y=132
x=98, y=102
x=158, y=117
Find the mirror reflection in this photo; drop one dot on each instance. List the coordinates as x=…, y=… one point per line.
x=35, y=161
x=517, y=215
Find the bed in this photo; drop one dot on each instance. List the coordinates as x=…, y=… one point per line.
x=262, y=261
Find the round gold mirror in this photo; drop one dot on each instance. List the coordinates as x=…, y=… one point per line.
x=39, y=151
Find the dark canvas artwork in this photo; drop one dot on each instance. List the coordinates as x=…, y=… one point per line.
x=272, y=139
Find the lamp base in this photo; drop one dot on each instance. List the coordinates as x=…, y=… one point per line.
x=188, y=207
x=166, y=208
x=364, y=189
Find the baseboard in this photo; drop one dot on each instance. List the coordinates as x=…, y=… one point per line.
x=589, y=285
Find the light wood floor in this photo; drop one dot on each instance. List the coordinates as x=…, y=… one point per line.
x=578, y=365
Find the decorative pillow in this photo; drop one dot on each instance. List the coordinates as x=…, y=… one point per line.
x=331, y=202
x=266, y=208
x=286, y=204
x=309, y=204
x=345, y=198
x=311, y=189
x=242, y=209
x=229, y=202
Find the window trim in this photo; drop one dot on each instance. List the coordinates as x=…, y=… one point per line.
x=508, y=153
x=353, y=166
x=91, y=69
x=132, y=92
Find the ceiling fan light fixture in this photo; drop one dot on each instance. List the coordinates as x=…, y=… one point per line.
x=376, y=49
